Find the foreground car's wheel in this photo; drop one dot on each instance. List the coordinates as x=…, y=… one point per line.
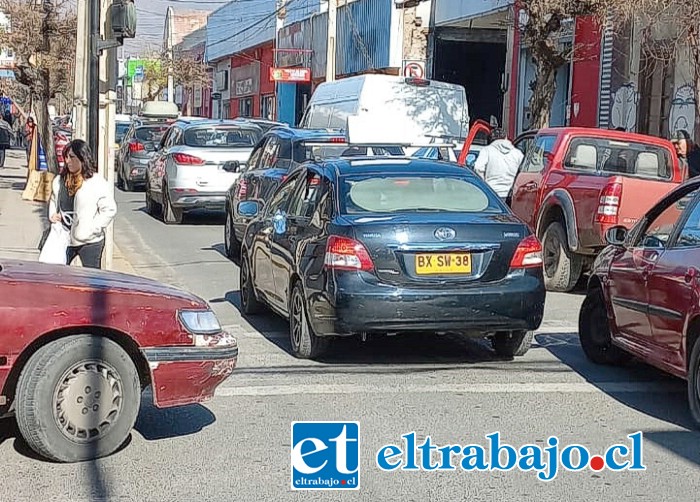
x=77, y=398
x=512, y=343
x=305, y=343
x=171, y=215
x=249, y=303
x=562, y=267
x=231, y=244
x=594, y=331
x=694, y=383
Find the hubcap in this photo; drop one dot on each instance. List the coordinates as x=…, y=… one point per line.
x=298, y=319
x=88, y=401
x=551, y=256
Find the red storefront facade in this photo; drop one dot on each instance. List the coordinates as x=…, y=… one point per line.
x=252, y=92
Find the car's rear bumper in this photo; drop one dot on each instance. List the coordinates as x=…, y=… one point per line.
x=352, y=305
x=188, y=374
x=190, y=198
x=136, y=172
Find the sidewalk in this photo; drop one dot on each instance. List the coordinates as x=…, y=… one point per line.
x=22, y=222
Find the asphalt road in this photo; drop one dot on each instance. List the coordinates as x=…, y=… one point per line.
x=237, y=446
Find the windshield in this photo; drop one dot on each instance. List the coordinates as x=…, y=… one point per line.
x=407, y=193
x=221, y=137
x=305, y=152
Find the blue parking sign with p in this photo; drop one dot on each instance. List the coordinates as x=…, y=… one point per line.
x=325, y=455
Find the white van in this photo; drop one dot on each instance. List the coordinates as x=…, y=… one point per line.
x=422, y=109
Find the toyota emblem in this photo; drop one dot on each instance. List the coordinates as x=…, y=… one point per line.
x=445, y=234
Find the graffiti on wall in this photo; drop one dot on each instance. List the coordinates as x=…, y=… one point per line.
x=623, y=114
x=683, y=109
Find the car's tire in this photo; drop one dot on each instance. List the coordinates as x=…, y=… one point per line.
x=69, y=386
x=594, y=331
x=120, y=180
x=305, y=343
x=171, y=215
x=231, y=244
x=250, y=305
x=694, y=383
x=562, y=267
x=128, y=185
x=512, y=343
x=151, y=205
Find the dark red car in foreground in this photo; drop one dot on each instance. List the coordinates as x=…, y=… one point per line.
x=643, y=296
x=77, y=347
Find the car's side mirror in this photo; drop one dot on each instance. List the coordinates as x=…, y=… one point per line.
x=232, y=166
x=249, y=208
x=616, y=236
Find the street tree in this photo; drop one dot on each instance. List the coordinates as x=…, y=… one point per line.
x=186, y=69
x=541, y=25
x=42, y=36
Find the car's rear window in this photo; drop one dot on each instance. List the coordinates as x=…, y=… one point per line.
x=407, y=193
x=150, y=133
x=221, y=137
x=619, y=157
x=314, y=151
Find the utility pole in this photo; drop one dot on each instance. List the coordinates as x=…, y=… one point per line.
x=93, y=74
x=281, y=14
x=169, y=49
x=332, y=35
x=80, y=83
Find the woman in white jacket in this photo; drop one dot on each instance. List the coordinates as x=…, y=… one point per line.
x=81, y=200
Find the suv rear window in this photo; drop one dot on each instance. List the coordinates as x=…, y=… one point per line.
x=414, y=194
x=221, y=137
x=619, y=157
x=304, y=152
x=151, y=133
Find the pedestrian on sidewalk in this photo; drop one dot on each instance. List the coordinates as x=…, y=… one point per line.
x=6, y=137
x=85, y=205
x=498, y=163
x=688, y=152
x=29, y=136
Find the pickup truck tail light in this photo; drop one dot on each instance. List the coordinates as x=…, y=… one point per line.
x=528, y=254
x=609, y=204
x=343, y=253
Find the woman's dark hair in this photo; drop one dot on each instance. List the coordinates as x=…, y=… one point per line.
x=84, y=154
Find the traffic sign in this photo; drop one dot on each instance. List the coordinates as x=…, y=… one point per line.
x=216, y=95
x=414, y=68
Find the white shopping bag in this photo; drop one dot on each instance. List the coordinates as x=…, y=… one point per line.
x=56, y=245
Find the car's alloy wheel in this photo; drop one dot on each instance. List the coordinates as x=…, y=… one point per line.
x=305, y=343
x=249, y=302
x=77, y=398
x=594, y=331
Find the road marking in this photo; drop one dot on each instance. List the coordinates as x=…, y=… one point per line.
x=504, y=388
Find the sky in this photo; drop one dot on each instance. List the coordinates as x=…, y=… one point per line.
x=151, y=19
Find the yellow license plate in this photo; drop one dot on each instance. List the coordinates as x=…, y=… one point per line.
x=443, y=264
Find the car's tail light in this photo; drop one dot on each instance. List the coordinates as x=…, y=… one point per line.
x=609, y=203
x=188, y=160
x=135, y=146
x=242, y=189
x=343, y=253
x=528, y=254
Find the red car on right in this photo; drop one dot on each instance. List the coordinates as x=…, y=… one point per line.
x=643, y=296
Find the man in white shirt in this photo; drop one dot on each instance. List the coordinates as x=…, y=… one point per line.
x=498, y=163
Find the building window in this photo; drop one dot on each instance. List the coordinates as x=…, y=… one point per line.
x=657, y=72
x=245, y=107
x=267, y=107
x=225, y=109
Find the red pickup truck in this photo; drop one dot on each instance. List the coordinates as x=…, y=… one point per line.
x=576, y=183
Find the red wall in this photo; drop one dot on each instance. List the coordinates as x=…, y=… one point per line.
x=585, y=82
x=263, y=53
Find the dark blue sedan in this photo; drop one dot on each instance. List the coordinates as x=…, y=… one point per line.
x=391, y=245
